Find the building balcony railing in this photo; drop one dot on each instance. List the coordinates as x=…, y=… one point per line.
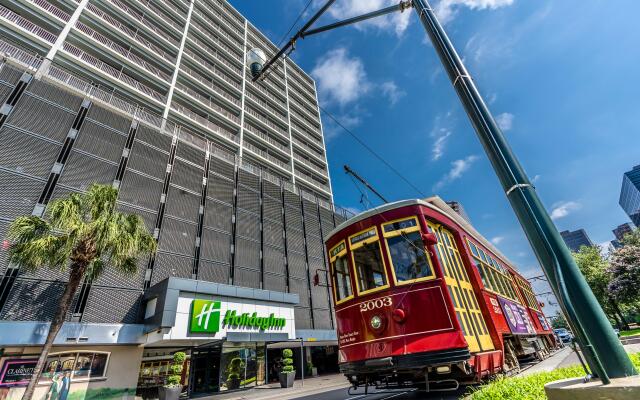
x=255, y=131
x=218, y=15
x=311, y=180
x=277, y=100
x=214, y=39
x=131, y=34
x=295, y=71
x=112, y=72
x=149, y=6
x=209, y=125
x=215, y=54
x=304, y=94
x=314, y=136
x=263, y=84
x=302, y=122
x=125, y=53
x=267, y=107
x=216, y=27
x=207, y=102
x=264, y=154
x=308, y=149
x=51, y=9
x=206, y=82
x=170, y=8
x=224, y=75
x=136, y=16
x=30, y=61
x=309, y=164
x=265, y=121
x=313, y=120
x=228, y=12
x=27, y=25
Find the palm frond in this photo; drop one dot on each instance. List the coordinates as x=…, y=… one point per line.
x=46, y=251
x=66, y=214
x=27, y=228
x=100, y=201
x=95, y=268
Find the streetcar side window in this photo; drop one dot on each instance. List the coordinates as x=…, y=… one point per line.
x=367, y=261
x=409, y=260
x=340, y=272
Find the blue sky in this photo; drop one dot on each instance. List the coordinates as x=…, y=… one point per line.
x=560, y=76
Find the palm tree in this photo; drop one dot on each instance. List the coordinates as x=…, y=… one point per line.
x=84, y=233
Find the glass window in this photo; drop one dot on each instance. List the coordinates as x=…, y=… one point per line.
x=83, y=365
x=369, y=267
x=474, y=249
x=408, y=257
x=99, y=364
x=342, y=277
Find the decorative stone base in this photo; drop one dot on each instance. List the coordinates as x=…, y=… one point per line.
x=576, y=389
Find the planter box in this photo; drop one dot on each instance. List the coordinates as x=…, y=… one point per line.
x=169, y=393
x=286, y=379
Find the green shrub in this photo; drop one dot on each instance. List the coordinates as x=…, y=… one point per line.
x=175, y=369
x=287, y=362
x=236, y=365
x=529, y=387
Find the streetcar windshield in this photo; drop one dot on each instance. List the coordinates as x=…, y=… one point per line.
x=341, y=278
x=369, y=267
x=408, y=257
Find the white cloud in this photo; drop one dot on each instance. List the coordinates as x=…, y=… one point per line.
x=396, y=22
x=458, y=167
x=446, y=10
x=340, y=78
x=536, y=178
x=442, y=129
x=505, y=121
x=438, y=146
x=497, y=240
x=391, y=90
x=562, y=209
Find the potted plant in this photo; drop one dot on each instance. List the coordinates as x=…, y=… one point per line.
x=172, y=388
x=311, y=370
x=233, y=373
x=288, y=373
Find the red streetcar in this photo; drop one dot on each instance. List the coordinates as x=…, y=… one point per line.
x=422, y=299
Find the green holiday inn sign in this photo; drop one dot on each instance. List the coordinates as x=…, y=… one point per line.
x=205, y=318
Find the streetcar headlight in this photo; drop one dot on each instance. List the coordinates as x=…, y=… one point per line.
x=376, y=322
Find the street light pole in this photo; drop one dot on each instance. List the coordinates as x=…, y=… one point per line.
x=599, y=342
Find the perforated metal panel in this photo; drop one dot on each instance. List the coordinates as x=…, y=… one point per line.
x=19, y=194
x=54, y=94
x=326, y=221
x=213, y=272
x=295, y=240
x=153, y=138
x=187, y=176
x=247, y=253
x=182, y=204
x=248, y=179
x=274, y=260
x=248, y=225
x=272, y=234
x=297, y=265
x=4, y=253
x=293, y=218
x=149, y=218
x=113, y=277
x=81, y=170
x=140, y=190
x=215, y=246
x=222, y=167
x=45, y=119
x=100, y=141
x=275, y=282
x=314, y=246
x=167, y=265
x=320, y=296
x=32, y=301
x=191, y=154
x=177, y=236
x=217, y=215
x=272, y=208
x=272, y=190
x=9, y=74
x=220, y=189
x=246, y=277
x=311, y=220
x=248, y=200
x=108, y=118
x=27, y=153
x=303, y=317
x=322, y=319
x=106, y=305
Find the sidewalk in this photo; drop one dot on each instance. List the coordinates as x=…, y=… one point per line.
x=274, y=391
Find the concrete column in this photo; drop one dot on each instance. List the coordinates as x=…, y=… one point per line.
x=286, y=92
x=244, y=85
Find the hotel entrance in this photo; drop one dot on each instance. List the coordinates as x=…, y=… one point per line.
x=205, y=369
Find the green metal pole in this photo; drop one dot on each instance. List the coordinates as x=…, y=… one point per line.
x=600, y=344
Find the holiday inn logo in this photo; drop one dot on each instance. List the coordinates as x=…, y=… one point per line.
x=205, y=316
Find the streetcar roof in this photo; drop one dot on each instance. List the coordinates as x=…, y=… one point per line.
x=436, y=203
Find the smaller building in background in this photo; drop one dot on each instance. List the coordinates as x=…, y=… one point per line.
x=619, y=233
x=576, y=239
x=630, y=194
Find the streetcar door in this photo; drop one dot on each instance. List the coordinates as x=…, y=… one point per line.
x=459, y=285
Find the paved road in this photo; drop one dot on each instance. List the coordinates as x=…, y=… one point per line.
x=342, y=394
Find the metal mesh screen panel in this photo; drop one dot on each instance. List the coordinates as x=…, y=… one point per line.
x=326, y=221
x=148, y=160
x=274, y=260
x=275, y=282
x=100, y=141
x=167, y=265
x=31, y=300
x=106, y=305
x=311, y=221
x=215, y=246
x=297, y=265
x=248, y=179
x=272, y=190
x=295, y=241
x=4, y=253
x=108, y=118
x=303, y=317
x=272, y=208
x=222, y=167
x=293, y=218
x=182, y=204
x=54, y=94
x=220, y=189
x=217, y=215
x=81, y=170
x=191, y=154
x=153, y=138
x=187, y=176
x=26, y=153
x=149, y=218
x=177, y=236
x=248, y=225
x=246, y=277
x=314, y=247
x=247, y=253
x=272, y=234
x=322, y=319
x=36, y=116
x=113, y=277
x=319, y=296
x=140, y=190
x=9, y=75
x=19, y=194
x=213, y=272
x=248, y=200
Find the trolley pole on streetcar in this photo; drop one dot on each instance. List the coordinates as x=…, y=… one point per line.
x=602, y=349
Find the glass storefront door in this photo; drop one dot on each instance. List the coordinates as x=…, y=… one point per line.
x=205, y=369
